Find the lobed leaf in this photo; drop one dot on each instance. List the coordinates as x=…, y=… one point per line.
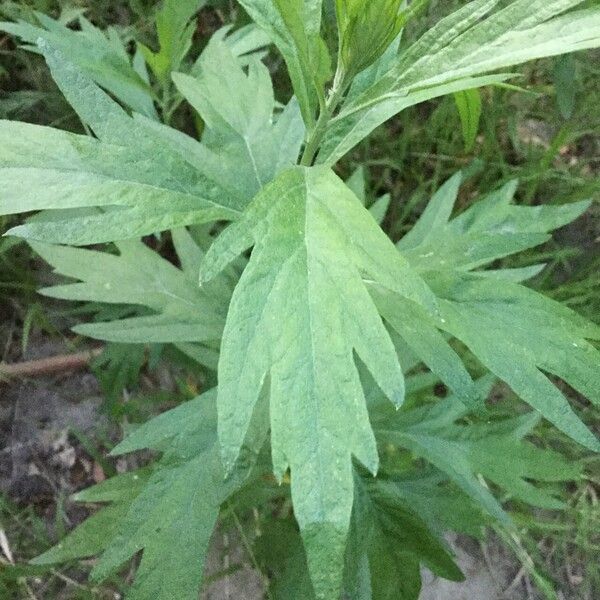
x=463, y=452
x=516, y=340
x=491, y=228
x=143, y=185
x=294, y=26
x=101, y=55
x=95, y=534
x=455, y=55
x=170, y=512
x=389, y=541
x=245, y=146
x=299, y=312
x=137, y=276
x=516, y=333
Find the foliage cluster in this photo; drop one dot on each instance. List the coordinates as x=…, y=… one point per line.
x=327, y=337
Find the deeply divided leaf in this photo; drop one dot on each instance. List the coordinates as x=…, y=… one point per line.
x=299, y=313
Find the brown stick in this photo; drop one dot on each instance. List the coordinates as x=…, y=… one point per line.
x=53, y=364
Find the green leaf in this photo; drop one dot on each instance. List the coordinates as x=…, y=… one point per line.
x=89, y=539
x=145, y=176
x=465, y=451
x=389, y=541
x=139, y=276
x=244, y=146
x=455, y=54
x=365, y=31
x=514, y=332
x=297, y=315
x=354, y=123
x=94, y=535
x=435, y=216
x=420, y=333
x=173, y=524
x=117, y=368
x=108, y=120
x=161, y=511
x=232, y=103
x=380, y=207
x=168, y=425
x=101, y=55
x=170, y=519
x=565, y=84
x=175, y=32
x=143, y=185
x=468, y=103
x=121, y=488
x=517, y=333
x=279, y=550
x=358, y=184
x=437, y=502
x=294, y=26
x=490, y=229
x=246, y=43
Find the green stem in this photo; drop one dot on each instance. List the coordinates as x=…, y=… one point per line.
x=165, y=102
x=316, y=137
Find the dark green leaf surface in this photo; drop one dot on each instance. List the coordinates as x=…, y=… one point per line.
x=465, y=451
x=388, y=543
x=468, y=103
x=174, y=30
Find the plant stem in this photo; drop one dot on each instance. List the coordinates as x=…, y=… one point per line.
x=46, y=366
x=314, y=141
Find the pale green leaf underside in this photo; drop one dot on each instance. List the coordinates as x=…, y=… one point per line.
x=294, y=27
x=456, y=54
x=297, y=316
x=491, y=228
x=245, y=144
x=101, y=55
x=518, y=335
x=135, y=173
x=144, y=177
x=139, y=276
